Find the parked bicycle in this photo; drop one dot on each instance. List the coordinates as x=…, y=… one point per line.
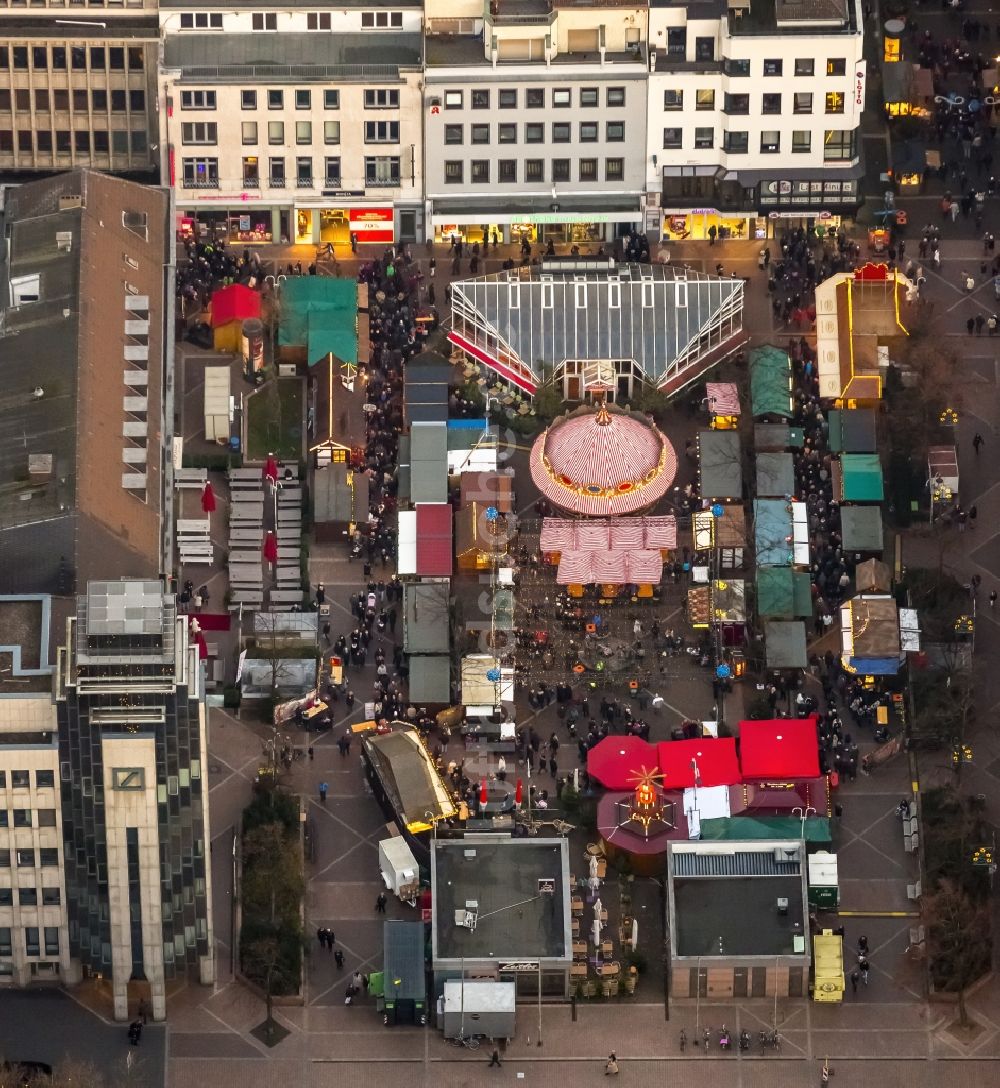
x=769, y=1040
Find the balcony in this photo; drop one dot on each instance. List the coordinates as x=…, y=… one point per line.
x=519, y=13
x=251, y=183
x=276, y=183
x=331, y=183
x=381, y=183
x=201, y=183
x=303, y=183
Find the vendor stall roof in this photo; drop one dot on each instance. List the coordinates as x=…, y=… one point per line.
x=869, y=635
x=430, y=678
x=619, y=763
x=490, y=488
x=426, y=617
x=429, y=462
x=779, y=749
x=775, y=475
x=777, y=436
x=728, y=531
x=715, y=757
x=785, y=644
x=721, y=471
x=871, y=576
x=477, y=689
x=234, y=302
x=749, y=828
x=723, y=398
x=772, y=529
x=783, y=593
x=434, y=526
x=407, y=773
x=770, y=382
x=852, y=430
x=476, y=534
x=857, y=477
x=861, y=528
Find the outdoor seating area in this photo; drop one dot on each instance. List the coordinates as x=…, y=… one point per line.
x=597, y=969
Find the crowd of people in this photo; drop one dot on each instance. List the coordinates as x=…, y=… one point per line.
x=805, y=261
x=211, y=265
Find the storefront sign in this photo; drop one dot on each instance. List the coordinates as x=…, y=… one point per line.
x=799, y=214
x=343, y=194
x=372, y=224
x=519, y=967
x=244, y=222
x=859, y=86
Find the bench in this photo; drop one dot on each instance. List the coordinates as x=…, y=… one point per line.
x=285, y=596
x=252, y=597
x=243, y=534
x=288, y=555
x=911, y=835
x=190, y=478
x=187, y=526
x=196, y=560
x=913, y=891
x=236, y=556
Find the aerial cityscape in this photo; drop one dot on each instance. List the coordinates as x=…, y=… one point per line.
x=516, y=615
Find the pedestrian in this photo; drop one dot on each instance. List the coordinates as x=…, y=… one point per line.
x=143, y=1010
x=977, y=442
x=320, y=593
x=349, y=699
x=321, y=937
x=963, y=517
x=495, y=1059
x=980, y=322
x=863, y=940
x=864, y=967
x=330, y=938
x=357, y=982
x=326, y=632
x=380, y=903
x=993, y=599
x=611, y=1065
x=854, y=981
x=971, y=325
x=338, y=958
x=972, y=516
x=323, y=788
x=824, y=1076
x=312, y=754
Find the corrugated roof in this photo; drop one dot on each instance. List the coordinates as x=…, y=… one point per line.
x=403, y=960
x=861, y=478
x=861, y=528
x=852, y=430
x=428, y=460
x=772, y=527
x=783, y=593
x=740, y=863
x=296, y=51
x=434, y=539
x=770, y=383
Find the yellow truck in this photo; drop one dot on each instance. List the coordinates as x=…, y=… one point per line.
x=828, y=966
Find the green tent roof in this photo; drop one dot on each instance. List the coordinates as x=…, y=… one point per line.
x=775, y=475
x=332, y=331
x=770, y=382
x=777, y=436
x=720, y=465
x=748, y=828
x=852, y=430
x=783, y=593
x=861, y=528
x=320, y=314
x=785, y=644
x=772, y=526
x=861, y=478
x=430, y=678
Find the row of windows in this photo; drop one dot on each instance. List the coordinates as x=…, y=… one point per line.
x=31, y=946
x=534, y=98
x=207, y=132
x=802, y=102
x=317, y=20
x=375, y=98
x=203, y=173
x=303, y=171
x=25, y=858
x=29, y=897
x=534, y=133
x=835, y=66
x=534, y=170
x=21, y=780
x=100, y=58
x=82, y=100
x=96, y=141
x=22, y=817
x=838, y=144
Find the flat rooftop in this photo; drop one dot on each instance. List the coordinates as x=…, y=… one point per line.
x=24, y=645
x=737, y=916
x=501, y=876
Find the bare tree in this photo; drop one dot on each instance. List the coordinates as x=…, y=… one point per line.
x=958, y=932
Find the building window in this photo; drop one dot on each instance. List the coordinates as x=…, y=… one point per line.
x=249, y=131
x=704, y=138
x=588, y=169
x=452, y=100
x=31, y=941
x=98, y=100
x=801, y=141
x=507, y=134
x=6, y=897
x=453, y=134
x=20, y=780
x=507, y=170
x=27, y=897
x=480, y=100
x=264, y=20
x=534, y=98
x=382, y=99
x=805, y=66
x=248, y=100
x=560, y=170
x=737, y=67
x=381, y=132
x=834, y=102
x=534, y=133
x=51, y=897
x=303, y=100
x=276, y=173
x=534, y=169
x=331, y=99
x=25, y=859
x=202, y=20
x=589, y=97
x=704, y=100
x=561, y=98
x=614, y=169
x=803, y=103
x=48, y=856
x=275, y=100
x=22, y=817
x=672, y=138
x=588, y=132
x=770, y=142
x=479, y=134
x=736, y=104
x=251, y=180
x=380, y=20
x=736, y=143
x=771, y=103
x=201, y=173
x=479, y=171
x=837, y=66
x=275, y=132
x=46, y=817
x=199, y=132
x=195, y=100
x=615, y=132
x=381, y=170
x=332, y=171
x=318, y=20
x=331, y=132
x=453, y=172
x=43, y=779
x=677, y=42
x=51, y=940
x=5, y=945
x=772, y=67
x=616, y=96
x=562, y=132
x=838, y=145
x=704, y=49
x=674, y=100
x=303, y=180
x=507, y=99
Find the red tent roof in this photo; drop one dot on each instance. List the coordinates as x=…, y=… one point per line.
x=234, y=303
x=779, y=749
x=434, y=539
x=618, y=762
x=716, y=759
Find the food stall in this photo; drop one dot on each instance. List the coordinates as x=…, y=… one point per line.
x=824, y=883
x=399, y=869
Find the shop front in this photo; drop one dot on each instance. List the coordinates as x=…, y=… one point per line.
x=820, y=205
x=583, y=228
x=706, y=224
x=247, y=225
x=320, y=224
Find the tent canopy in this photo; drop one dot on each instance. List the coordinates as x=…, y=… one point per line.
x=770, y=382
x=772, y=528
x=860, y=478
x=775, y=475
x=783, y=593
x=234, y=303
x=426, y=621
x=852, y=430
x=619, y=762
x=758, y=828
x=777, y=436
x=785, y=644
x=861, y=528
x=872, y=577
x=779, y=749
x=715, y=758
x=407, y=772
x=434, y=525
x=430, y=678
x=720, y=465
x=320, y=314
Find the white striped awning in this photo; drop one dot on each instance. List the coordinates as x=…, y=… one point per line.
x=624, y=533
x=610, y=567
x=723, y=398
x=593, y=534
x=627, y=533
x=557, y=534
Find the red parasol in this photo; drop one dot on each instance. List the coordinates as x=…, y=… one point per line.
x=208, y=498
x=617, y=762
x=482, y=792
x=271, y=468
x=271, y=547
x=519, y=792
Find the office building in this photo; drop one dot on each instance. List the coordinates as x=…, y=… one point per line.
x=292, y=125
x=754, y=116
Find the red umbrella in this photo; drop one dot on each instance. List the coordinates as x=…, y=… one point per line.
x=208, y=498
x=271, y=547
x=271, y=468
x=519, y=792
x=618, y=762
x=482, y=792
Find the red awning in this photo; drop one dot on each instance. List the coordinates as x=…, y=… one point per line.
x=234, y=303
x=716, y=759
x=619, y=762
x=779, y=749
x=434, y=539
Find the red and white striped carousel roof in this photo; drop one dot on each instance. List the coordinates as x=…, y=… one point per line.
x=603, y=462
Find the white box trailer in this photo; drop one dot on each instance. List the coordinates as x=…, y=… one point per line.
x=478, y=1007
x=400, y=872
x=217, y=400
